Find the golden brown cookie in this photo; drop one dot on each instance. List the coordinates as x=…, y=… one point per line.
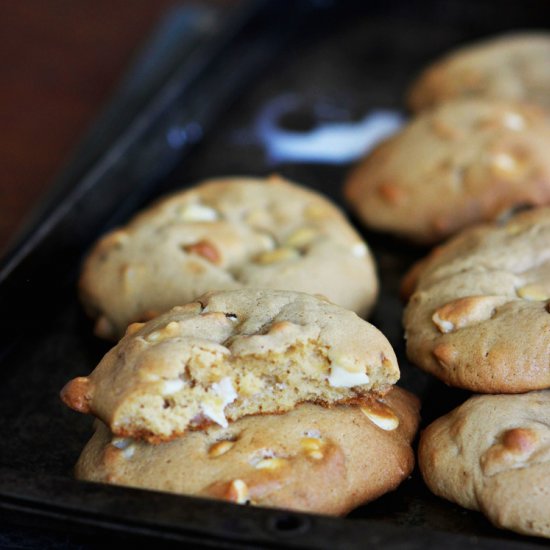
x=479, y=314
x=311, y=459
x=232, y=354
x=226, y=234
x=492, y=454
x=512, y=66
x=464, y=162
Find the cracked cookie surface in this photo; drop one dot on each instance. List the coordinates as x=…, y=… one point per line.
x=512, y=66
x=464, y=162
x=492, y=454
x=311, y=459
x=479, y=311
x=232, y=354
x=226, y=234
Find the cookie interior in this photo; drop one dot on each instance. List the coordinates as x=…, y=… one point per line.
x=192, y=367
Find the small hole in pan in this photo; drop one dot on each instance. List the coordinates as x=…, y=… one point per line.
x=288, y=524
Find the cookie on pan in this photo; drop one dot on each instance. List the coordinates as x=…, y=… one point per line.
x=511, y=66
x=226, y=234
x=492, y=454
x=479, y=314
x=463, y=162
x=312, y=459
x=232, y=354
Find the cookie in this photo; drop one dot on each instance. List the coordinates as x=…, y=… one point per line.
x=492, y=454
x=479, y=314
x=226, y=234
x=232, y=354
x=311, y=459
x=513, y=67
x=466, y=161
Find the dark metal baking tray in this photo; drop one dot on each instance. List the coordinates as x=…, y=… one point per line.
x=327, y=62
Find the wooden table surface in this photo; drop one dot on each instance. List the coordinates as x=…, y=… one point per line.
x=61, y=60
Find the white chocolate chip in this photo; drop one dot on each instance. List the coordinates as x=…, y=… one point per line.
x=267, y=241
x=168, y=331
x=533, y=292
x=261, y=455
x=344, y=360
x=220, y=448
x=311, y=443
x=225, y=389
x=384, y=417
x=442, y=325
x=171, y=386
x=504, y=162
x=270, y=463
x=215, y=413
x=197, y=213
x=313, y=447
x=154, y=336
x=467, y=311
x=133, y=328
x=513, y=121
x=214, y=408
x=265, y=459
x=125, y=444
x=342, y=378
x=129, y=451
x=121, y=442
x=301, y=237
x=278, y=255
x=238, y=492
x=359, y=250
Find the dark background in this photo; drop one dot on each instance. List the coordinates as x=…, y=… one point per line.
x=59, y=62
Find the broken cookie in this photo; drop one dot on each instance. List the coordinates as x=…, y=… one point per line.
x=232, y=354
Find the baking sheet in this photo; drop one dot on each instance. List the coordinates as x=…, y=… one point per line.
x=349, y=62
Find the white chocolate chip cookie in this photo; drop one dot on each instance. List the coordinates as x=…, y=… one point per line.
x=465, y=161
x=479, y=314
x=226, y=234
x=311, y=459
x=232, y=354
x=492, y=454
x=511, y=66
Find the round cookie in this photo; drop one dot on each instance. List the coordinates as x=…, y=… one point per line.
x=512, y=66
x=479, y=314
x=492, y=454
x=232, y=354
x=226, y=234
x=311, y=459
x=463, y=162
